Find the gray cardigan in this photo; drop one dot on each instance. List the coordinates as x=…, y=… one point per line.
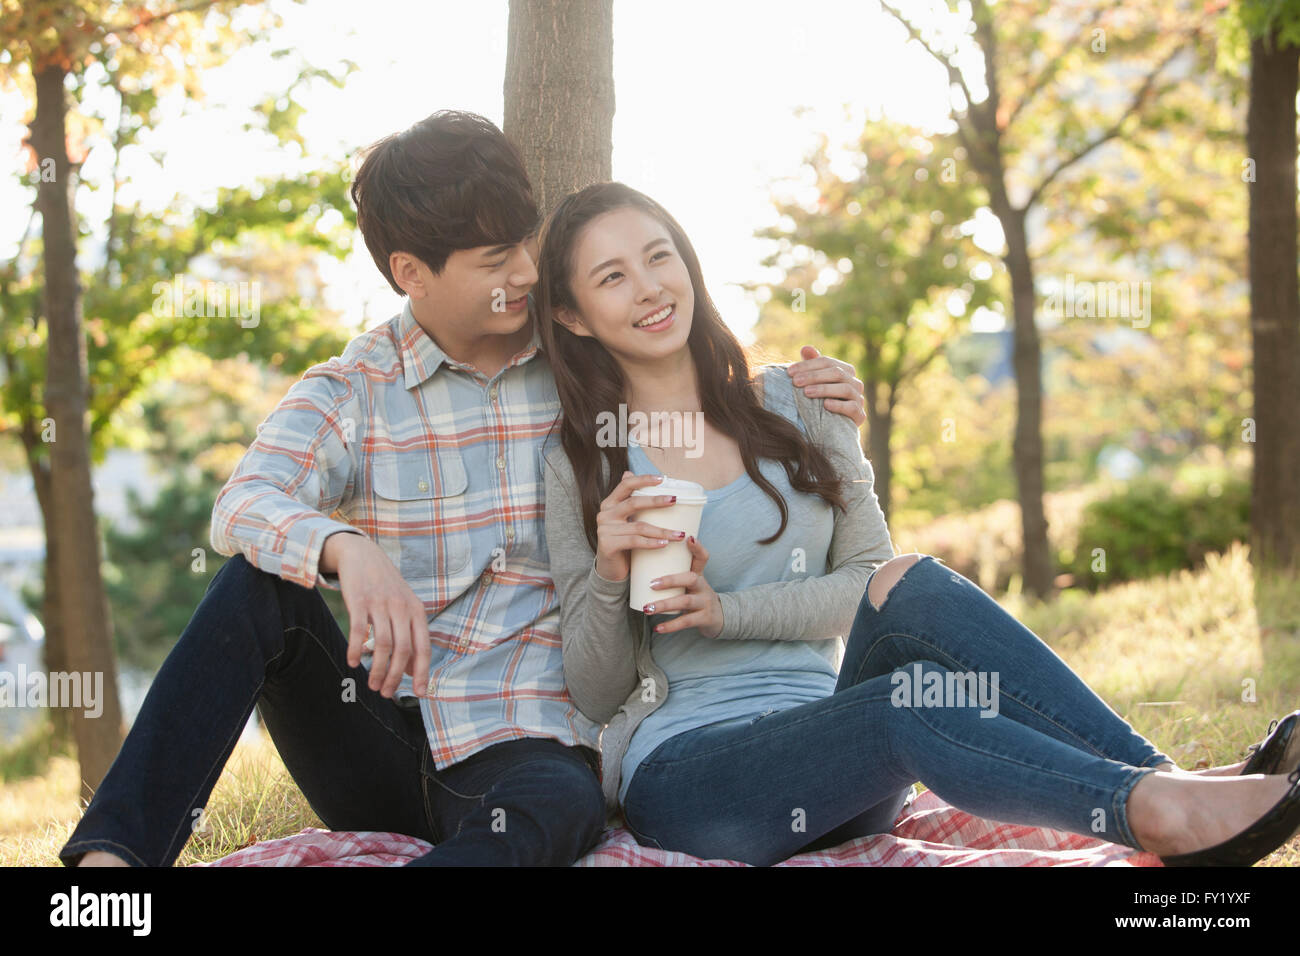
x=610, y=671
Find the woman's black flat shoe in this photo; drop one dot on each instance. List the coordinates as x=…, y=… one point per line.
x=1279, y=751
x=1257, y=841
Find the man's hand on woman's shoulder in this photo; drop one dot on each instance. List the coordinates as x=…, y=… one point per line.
x=821, y=376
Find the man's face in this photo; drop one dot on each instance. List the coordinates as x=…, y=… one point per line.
x=481, y=291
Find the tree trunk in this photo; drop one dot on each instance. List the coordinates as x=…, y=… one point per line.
x=55, y=652
x=75, y=542
x=880, y=425
x=1027, y=446
x=559, y=93
x=1274, y=304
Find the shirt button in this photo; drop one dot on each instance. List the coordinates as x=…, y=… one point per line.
x=424, y=485
x=501, y=462
x=510, y=533
x=492, y=393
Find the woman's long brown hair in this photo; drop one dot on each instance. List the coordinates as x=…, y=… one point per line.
x=589, y=380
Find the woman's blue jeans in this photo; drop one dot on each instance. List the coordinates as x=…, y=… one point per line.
x=361, y=759
x=1019, y=739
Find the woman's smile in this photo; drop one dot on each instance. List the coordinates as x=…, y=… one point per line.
x=658, y=320
x=627, y=273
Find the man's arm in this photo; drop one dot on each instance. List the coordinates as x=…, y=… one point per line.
x=821, y=376
x=275, y=511
x=275, y=507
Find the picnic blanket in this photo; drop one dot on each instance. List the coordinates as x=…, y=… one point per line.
x=928, y=832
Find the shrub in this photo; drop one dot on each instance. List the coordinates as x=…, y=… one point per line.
x=1150, y=529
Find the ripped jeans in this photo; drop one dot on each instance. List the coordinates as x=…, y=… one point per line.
x=940, y=685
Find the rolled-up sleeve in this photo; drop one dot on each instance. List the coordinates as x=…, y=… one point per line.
x=275, y=508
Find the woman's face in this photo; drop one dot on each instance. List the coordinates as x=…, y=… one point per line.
x=631, y=287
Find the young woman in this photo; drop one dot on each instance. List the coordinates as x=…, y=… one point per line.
x=730, y=731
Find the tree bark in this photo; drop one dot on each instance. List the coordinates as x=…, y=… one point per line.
x=1274, y=304
x=55, y=652
x=75, y=541
x=1027, y=445
x=1026, y=356
x=559, y=93
x=53, y=655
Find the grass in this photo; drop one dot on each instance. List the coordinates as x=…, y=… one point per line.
x=1198, y=662
x=254, y=800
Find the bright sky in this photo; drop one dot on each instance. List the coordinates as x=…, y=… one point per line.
x=706, y=94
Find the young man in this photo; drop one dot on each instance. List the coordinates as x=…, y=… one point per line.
x=405, y=473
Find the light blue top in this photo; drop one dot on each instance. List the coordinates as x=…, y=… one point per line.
x=712, y=680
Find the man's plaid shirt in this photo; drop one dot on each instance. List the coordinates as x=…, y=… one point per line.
x=442, y=468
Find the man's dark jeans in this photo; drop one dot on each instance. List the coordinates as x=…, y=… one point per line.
x=362, y=760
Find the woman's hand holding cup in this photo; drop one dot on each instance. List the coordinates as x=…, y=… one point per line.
x=616, y=531
x=700, y=606
x=682, y=519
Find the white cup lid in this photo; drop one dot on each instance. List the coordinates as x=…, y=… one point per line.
x=687, y=492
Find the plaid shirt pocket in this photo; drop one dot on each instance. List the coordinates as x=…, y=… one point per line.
x=420, y=515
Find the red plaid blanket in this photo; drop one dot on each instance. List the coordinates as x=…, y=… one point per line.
x=928, y=832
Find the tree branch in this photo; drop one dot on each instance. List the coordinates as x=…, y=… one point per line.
x=192, y=7
x=22, y=241
x=1134, y=106
x=112, y=401
x=112, y=239
x=987, y=39
x=1048, y=73
x=905, y=374
x=954, y=74
x=26, y=422
x=982, y=123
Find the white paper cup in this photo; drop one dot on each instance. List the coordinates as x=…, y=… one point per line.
x=674, y=557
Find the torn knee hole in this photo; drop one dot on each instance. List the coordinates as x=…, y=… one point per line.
x=887, y=577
